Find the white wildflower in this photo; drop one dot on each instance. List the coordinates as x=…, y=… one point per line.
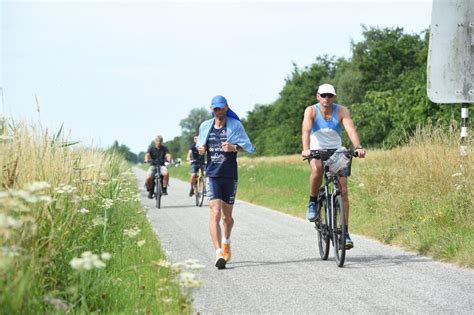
x=7, y=221
x=76, y=199
x=89, y=261
x=107, y=203
x=83, y=210
x=25, y=195
x=36, y=186
x=45, y=199
x=65, y=189
x=361, y=185
x=178, y=267
x=163, y=263
x=141, y=243
x=105, y=256
x=186, y=276
x=188, y=280
x=99, y=220
x=76, y=263
x=132, y=232
x=456, y=174
x=195, y=267
x=96, y=262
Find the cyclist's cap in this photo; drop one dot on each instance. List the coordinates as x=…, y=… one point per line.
x=326, y=88
x=218, y=101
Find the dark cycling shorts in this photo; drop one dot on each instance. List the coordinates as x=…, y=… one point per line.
x=194, y=168
x=221, y=188
x=326, y=154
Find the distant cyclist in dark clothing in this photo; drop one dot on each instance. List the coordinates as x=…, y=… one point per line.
x=157, y=155
x=194, y=159
x=221, y=138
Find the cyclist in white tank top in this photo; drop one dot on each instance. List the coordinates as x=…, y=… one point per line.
x=321, y=130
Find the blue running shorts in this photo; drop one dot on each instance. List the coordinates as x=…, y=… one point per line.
x=221, y=188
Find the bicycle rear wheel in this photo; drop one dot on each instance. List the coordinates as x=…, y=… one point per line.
x=201, y=188
x=323, y=232
x=158, y=193
x=339, y=234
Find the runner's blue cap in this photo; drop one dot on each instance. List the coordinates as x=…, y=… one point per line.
x=218, y=101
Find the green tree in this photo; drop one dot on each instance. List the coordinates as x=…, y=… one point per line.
x=124, y=151
x=190, y=126
x=276, y=128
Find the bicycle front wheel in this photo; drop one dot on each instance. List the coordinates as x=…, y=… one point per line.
x=201, y=189
x=323, y=232
x=339, y=233
x=158, y=190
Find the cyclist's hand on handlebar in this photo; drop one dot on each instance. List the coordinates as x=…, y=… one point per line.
x=306, y=153
x=202, y=149
x=360, y=153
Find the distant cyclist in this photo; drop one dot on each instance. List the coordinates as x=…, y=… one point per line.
x=321, y=130
x=157, y=154
x=221, y=138
x=194, y=159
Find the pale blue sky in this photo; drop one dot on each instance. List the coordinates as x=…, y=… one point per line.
x=130, y=70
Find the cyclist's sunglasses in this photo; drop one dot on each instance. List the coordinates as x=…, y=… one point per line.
x=326, y=95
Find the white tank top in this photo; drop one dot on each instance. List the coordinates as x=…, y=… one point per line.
x=325, y=134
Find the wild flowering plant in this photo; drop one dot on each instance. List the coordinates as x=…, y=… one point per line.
x=89, y=261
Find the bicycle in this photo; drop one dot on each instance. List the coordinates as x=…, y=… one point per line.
x=158, y=190
x=200, y=186
x=331, y=223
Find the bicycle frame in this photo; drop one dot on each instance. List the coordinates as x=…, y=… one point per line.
x=329, y=194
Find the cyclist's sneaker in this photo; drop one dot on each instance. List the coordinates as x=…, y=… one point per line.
x=150, y=195
x=191, y=192
x=165, y=191
x=226, y=251
x=349, y=242
x=313, y=211
x=220, y=261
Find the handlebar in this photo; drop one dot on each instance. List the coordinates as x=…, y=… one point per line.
x=151, y=161
x=316, y=154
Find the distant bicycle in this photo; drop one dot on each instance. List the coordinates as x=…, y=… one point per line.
x=158, y=190
x=200, y=186
x=331, y=224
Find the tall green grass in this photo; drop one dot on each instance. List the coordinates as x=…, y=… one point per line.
x=418, y=196
x=73, y=235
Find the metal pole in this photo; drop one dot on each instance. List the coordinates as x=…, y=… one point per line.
x=464, y=119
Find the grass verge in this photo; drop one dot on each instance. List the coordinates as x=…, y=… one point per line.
x=73, y=235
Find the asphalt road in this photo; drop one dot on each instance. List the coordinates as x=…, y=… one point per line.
x=275, y=266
